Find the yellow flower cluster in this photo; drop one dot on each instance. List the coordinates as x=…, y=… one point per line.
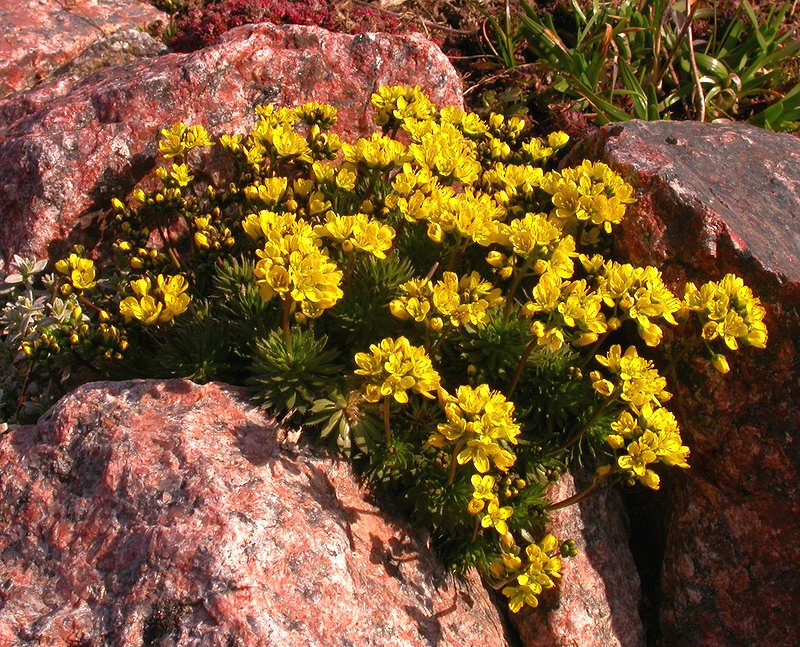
x=376, y=152
x=80, y=272
x=638, y=293
x=273, y=137
x=479, y=422
x=451, y=300
x=292, y=263
x=358, y=232
x=156, y=305
x=636, y=380
x=397, y=105
x=646, y=431
x=590, y=193
x=210, y=233
x=649, y=437
x=495, y=515
x=393, y=367
x=180, y=139
x=539, y=571
x=567, y=307
x=729, y=311
x=467, y=216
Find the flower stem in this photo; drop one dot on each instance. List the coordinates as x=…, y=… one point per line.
x=579, y=434
x=475, y=531
x=579, y=496
x=286, y=307
x=591, y=353
x=386, y=428
x=520, y=367
x=512, y=289
x=451, y=475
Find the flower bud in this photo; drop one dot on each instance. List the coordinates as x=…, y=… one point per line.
x=201, y=240
x=720, y=363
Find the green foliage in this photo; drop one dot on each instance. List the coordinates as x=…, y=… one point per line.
x=439, y=310
x=290, y=372
x=627, y=59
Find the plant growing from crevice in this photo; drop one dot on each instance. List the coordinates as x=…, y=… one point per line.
x=430, y=300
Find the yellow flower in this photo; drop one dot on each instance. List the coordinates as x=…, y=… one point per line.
x=720, y=363
x=399, y=105
x=482, y=452
x=640, y=293
x=638, y=381
x=445, y=152
x=181, y=139
x=146, y=309
x=542, y=569
x=483, y=487
x=357, y=232
x=80, y=271
x=173, y=292
x=168, y=300
x=496, y=517
x=376, y=152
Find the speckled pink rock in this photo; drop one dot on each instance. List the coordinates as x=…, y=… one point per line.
x=161, y=512
x=41, y=35
x=596, y=602
x=68, y=157
x=714, y=199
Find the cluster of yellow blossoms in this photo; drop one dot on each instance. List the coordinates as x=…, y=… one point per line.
x=80, y=272
x=393, y=367
x=727, y=310
x=479, y=422
x=645, y=430
x=452, y=300
x=311, y=204
x=155, y=305
x=293, y=263
x=538, y=572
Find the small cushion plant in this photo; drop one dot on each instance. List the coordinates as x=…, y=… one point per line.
x=436, y=301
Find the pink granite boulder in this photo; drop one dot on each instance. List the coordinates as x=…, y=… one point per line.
x=64, y=158
x=715, y=199
x=161, y=512
x=40, y=36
